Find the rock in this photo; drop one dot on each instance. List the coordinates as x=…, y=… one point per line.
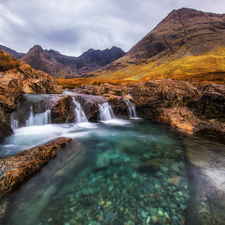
x=143, y=214
x=175, y=167
x=149, y=166
x=17, y=169
x=175, y=181
x=90, y=105
x=210, y=104
x=5, y=125
x=103, y=161
x=154, y=219
x=116, y=159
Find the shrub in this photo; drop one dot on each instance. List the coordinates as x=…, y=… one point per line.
x=7, y=62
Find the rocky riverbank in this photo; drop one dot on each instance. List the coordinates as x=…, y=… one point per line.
x=193, y=108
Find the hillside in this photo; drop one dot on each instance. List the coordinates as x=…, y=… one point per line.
x=186, y=44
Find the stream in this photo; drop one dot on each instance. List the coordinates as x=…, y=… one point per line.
x=128, y=171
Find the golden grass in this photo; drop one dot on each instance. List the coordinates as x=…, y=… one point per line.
x=209, y=67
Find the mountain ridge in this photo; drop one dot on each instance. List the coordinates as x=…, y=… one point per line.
x=62, y=66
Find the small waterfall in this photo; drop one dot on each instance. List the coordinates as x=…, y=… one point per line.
x=39, y=119
x=106, y=112
x=80, y=115
x=131, y=110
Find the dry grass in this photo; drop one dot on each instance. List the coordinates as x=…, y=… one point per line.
x=78, y=82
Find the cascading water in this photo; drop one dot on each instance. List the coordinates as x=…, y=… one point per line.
x=131, y=110
x=39, y=119
x=106, y=112
x=80, y=115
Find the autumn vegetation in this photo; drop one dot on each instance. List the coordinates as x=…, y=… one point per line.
x=209, y=67
x=7, y=62
x=78, y=82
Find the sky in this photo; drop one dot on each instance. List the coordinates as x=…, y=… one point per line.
x=74, y=26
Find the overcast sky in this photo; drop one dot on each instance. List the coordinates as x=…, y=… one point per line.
x=73, y=26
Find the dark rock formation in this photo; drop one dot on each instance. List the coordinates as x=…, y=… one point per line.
x=17, y=169
x=210, y=104
x=150, y=97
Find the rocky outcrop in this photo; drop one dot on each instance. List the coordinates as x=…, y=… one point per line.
x=117, y=96
x=14, y=83
x=190, y=107
x=17, y=169
x=210, y=104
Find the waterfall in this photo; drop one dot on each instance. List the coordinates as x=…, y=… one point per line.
x=106, y=112
x=131, y=110
x=80, y=115
x=38, y=119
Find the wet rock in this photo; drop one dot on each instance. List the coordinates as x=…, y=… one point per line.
x=149, y=166
x=143, y=214
x=5, y=125
x=90, y=105
x=62, y=108
x=116, y=159
x=17, y=169
x=175, y=181
x=103, y=161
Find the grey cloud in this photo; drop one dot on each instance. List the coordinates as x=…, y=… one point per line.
x=72, y=27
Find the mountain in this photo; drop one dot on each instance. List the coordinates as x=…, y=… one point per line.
x=11, y=52
x=186, y=43
x=58, y=65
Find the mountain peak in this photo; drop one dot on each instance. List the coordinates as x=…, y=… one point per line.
x=182, y=33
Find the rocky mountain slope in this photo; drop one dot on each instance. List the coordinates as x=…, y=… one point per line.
x=187, y=43
x=58, y=65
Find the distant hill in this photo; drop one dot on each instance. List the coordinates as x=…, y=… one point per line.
x=58, y=65
x=186, y=44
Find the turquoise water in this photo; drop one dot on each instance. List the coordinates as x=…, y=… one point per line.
x=118, y=172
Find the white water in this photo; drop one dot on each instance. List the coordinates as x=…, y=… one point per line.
x=131, y=110
x=80, y=115
x=106, y=112
x=39, y=119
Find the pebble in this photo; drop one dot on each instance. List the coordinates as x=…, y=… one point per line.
x=148, y=219
x=154, y=219
x=143, y=214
